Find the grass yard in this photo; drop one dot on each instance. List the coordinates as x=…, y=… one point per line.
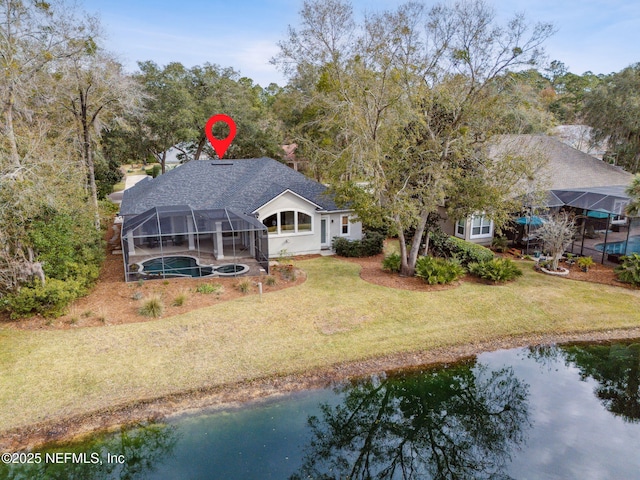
x=333, y=317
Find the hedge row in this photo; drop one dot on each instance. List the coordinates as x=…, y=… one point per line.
x=371, y=244
x=465, y=252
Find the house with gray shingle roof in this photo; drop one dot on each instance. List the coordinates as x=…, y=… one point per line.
x=569, y=177
x=297, y=214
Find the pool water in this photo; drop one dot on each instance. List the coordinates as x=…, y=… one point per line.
x=620, y=248
x=176, y=266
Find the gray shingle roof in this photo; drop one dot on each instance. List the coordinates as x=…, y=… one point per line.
x=567, y=167
x=243, y=185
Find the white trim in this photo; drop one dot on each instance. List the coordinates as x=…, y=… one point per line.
x=327, y=231
x=295, y=232
x=482, y=224
x=342, y=234
x=281, y=194
x=464, y=228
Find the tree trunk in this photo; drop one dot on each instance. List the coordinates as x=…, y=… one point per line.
x=200, y=148
x=405, y=270
x=88, y=157
x=9, y=131
x=163, y=162
x=417, y=239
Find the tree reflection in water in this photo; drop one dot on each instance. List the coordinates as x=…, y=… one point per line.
x=458, y=422
x=615, y=367
x=143, y=448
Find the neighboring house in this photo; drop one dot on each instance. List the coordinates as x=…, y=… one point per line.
x=265, y=202
x=570, y=177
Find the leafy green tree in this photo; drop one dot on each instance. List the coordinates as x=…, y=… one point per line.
x=169, y=108
x=633, y=190
x=612, y=110
x=404, y=101
x=42, y=181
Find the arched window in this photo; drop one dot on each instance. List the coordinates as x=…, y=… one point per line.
x=289, y=222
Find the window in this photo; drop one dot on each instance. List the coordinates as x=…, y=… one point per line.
x=480, y=226
x=271, y=222
x=460, y=227
x=619, y=209
x=344, y=225
x=289, y=222
x=304, y=222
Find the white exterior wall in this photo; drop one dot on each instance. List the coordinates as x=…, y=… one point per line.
x=294, y=243
x=335, y=226
x=304, y=243
x=450, y=228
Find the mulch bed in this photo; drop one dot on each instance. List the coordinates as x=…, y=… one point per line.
x=115, y=302
x=112, y=299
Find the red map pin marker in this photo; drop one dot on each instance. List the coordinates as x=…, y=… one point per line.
x=220, y=146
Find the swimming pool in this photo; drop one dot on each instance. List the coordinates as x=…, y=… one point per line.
x=175, y=266
x=186, y=266
x=620, y=248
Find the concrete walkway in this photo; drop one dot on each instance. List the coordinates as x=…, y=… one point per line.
x=130, y=181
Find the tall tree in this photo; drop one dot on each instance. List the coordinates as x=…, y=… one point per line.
x=169, y=108
x=613, y=111
x=32, y=36
x=95, y=91
x=409, y=94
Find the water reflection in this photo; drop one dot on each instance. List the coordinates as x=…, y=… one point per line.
x=615, y=368
x=141, y=447
x=458, y=422
x=539, y=413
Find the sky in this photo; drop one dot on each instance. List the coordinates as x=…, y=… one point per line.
x=601, y=36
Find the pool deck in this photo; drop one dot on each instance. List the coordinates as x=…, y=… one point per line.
x=587, y=246
x=205, y=258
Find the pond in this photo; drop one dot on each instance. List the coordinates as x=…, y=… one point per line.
x=537, y=413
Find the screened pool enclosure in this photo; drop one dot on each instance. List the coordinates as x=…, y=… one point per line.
x=178, y=241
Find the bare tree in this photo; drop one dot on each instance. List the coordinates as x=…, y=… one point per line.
x=95, y=90
x=32, y=36
x=409, y=94
x=556, y=235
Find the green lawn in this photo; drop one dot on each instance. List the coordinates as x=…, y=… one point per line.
x=333, y=317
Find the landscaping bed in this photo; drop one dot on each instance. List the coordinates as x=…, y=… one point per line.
x=114, y=302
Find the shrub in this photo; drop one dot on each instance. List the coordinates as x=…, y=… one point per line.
x=179, y=300
x=585, y=262
x=500, y=244
x=438, y=270
x=152, y=307
x=371, y=244
x=210, y=288
x=629, y=270
x=244, y=286
x=465, y=252
x=48, y=300
x=270, y=280
x=288, y=272
x=498, y=270
x=392, y=262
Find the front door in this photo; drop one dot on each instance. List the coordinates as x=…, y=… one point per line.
x=324, y=233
